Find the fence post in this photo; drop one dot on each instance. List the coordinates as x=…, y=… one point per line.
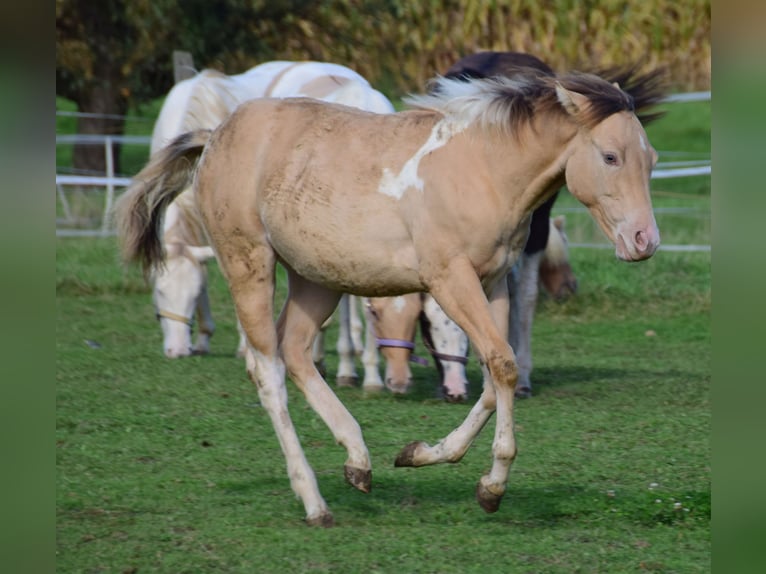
x=109, y=151
x=183, y=65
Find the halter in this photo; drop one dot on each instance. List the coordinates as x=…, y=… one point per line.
x=425, y=329
x=402, y=344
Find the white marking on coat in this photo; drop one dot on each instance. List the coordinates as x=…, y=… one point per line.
x=396, y=185
x=399, y=304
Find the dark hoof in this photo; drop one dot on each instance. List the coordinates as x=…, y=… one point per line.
x=325, y=520
x=407, y=455
x=523, y=393
x=358, y=478
x=347, y=381
x=489, y=501
x=198, y=352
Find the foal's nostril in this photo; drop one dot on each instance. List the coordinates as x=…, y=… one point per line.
x=641, y=240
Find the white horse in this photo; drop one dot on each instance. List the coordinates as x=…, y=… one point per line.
x=203, y=102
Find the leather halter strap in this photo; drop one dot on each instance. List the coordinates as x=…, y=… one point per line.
x=161, y=313
x=402, y=344
x=443, y=356
x=174, y=317
x=425, y=329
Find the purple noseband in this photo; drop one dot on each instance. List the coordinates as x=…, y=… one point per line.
x=400, y=344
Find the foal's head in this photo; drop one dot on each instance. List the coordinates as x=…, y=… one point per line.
x=589, y=124
x=610, y=162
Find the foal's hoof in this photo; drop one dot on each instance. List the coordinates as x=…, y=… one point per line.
x=325, y=520
x=407, y=455
x=523, y=393
x=358, y=478
x=487, y=499
x=347, y=381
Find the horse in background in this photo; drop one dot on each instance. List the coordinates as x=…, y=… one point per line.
x=392, y=324
x=437, y=199
x=203, y=102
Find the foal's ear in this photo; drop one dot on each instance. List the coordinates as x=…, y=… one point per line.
x=573, y=102
x=558, y=222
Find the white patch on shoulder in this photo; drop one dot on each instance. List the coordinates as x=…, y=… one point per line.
x=397, y=185
x=643, y=142
x=399, y=303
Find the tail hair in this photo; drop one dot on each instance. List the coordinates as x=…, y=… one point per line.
x=139, y=211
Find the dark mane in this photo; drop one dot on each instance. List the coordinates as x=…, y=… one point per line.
x=646, y=89
x=510, y=102
x=604, y=97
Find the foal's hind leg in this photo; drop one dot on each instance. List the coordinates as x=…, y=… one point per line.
x=306, y=307
x=251, y=279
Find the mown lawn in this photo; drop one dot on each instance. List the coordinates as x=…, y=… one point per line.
x=172, y=466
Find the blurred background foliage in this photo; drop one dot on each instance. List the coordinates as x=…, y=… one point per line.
x=397, y=43
x=115, y=55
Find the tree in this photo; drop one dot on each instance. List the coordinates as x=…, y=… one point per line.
x=114, y=54
x=110, y=54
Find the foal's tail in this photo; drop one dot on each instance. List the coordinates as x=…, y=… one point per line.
x=139, y=211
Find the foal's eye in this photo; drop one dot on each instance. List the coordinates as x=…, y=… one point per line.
x=610, y=158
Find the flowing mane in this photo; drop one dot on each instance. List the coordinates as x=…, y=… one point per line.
x=509, y=103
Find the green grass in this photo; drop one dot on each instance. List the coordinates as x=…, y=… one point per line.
x=172, y=466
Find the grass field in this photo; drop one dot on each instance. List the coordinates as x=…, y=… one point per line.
x=173, y=466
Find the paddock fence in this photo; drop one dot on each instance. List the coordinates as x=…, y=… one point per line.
x=84, y=201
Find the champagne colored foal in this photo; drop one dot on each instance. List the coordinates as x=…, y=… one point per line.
x=436, y=199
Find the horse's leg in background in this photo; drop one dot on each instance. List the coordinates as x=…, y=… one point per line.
x=242, y=345
x=523, y=289
x=356, y=325
x=346, y=376
x=205, y=324
x=461, y=296
x=370, y=357
x=307, y=306
x=252, y=280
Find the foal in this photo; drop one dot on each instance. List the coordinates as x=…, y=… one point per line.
x=436, y=200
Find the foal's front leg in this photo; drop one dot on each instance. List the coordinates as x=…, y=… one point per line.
x=485, y=322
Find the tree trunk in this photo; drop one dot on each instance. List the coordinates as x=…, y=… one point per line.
x=108, y=107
